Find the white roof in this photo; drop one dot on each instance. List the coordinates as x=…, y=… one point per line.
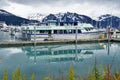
x=53, y=27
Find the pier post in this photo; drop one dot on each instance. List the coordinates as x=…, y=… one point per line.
x=76, y=50
x=34, y=35
x=76, y=35
x=34, y=44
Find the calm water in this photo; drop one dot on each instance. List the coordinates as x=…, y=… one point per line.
x=55, y=60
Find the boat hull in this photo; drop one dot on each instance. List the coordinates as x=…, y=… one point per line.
x=82, y=36
x=79, y=36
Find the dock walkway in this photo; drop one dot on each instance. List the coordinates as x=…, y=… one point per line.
x=27, y=43
x=115, y=40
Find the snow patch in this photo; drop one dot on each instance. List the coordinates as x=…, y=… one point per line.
x=4, y=13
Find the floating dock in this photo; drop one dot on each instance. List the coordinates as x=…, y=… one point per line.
x=27, y=43
x=115, y=40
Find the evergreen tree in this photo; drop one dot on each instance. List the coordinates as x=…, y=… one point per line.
x=5, y=75
x=24, y=77
x=96, y=71
x=71, y=73
x=46, y=78
x=17, y=75
x=32, y=77
x=13, y=76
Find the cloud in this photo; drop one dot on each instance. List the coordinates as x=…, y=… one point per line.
x=67, y=2
x=90, y=8
x=4, y=3
x=38, y=2
x=108, y=5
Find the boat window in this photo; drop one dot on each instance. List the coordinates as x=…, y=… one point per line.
x=55, y=52
x=61, y=24
x=65, y=31
x=70, y=51
x=79, y=31
x=55, y=31
x=86, y=29
x=49, y=31
x=60, y=31
x=43, y=31
x=75, y=23
x=69, y=31
x=61, y=52
x=91, y=28
x=74, y=31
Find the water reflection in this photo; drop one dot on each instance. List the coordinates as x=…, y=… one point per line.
x=62, y=52
x=108, y=47
x=0, y=58
x=56, y=59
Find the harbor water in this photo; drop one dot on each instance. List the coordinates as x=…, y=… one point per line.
x=55, y=60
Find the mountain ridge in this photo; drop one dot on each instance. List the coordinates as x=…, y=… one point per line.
x=11, y=19
x=68, y=17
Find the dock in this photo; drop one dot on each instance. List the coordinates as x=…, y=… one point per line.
x=115, y=40
x=28, y=43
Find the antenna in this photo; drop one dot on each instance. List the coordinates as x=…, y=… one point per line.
x=119, y=24
x=92, y=20
x=96, y=24
x=100, y=23
x=111, y=22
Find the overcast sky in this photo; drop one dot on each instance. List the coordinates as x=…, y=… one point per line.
x=92, y=8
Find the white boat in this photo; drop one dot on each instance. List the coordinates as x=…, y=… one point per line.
x=4, y=27
x=116, y=34
x=15, y=31
x=66, y=32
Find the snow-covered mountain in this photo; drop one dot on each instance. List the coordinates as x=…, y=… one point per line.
x=109, y=20
x=3, y=12
x=11, y=19
x=102, y=17
x=102, y=22
x=67, y=17
x=36, y=16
